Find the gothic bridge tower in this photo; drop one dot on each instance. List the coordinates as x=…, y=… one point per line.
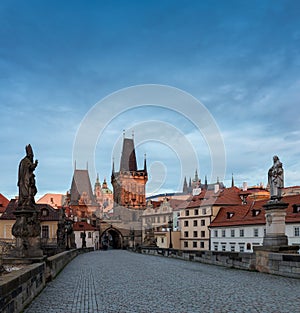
x=129, y=183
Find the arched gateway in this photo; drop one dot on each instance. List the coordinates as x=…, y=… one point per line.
x=111, y=238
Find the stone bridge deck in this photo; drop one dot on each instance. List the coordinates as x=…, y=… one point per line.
x=120, y=281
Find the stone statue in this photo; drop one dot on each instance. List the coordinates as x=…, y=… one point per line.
x=275, y=179
x=26, y=179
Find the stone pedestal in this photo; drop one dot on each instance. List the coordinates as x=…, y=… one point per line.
x=275, y=224
x=27, y=231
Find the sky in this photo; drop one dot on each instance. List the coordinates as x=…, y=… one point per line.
x=66, y=64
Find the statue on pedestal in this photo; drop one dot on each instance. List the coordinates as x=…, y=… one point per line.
x=27, y=227
x=275, y=179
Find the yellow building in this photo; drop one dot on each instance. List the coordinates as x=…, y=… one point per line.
x=48, y=215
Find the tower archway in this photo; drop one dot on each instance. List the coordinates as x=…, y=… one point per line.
x=111, y=238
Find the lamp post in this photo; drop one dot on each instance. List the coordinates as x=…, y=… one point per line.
x=170, y=224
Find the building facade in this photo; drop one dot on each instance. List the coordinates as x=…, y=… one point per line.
x=240, y=228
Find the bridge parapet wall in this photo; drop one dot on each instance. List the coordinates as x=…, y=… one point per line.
x=262, y=261
x=18, y=288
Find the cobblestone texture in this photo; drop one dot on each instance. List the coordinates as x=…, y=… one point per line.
x=120, y=281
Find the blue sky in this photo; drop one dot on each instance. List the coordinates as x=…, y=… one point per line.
x=240, y=59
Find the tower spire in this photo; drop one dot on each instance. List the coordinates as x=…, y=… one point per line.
x=145, y=163
x=232, y=181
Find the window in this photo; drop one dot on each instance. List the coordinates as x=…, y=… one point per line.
x=158, y=219
x=194, y=244
x=45, y=212
x=242, y=247
x=162, y=239
x=230, y=215
x=195, y=233
x=241, y=233
x=216, y=233
x=185, y=244
x=255, y=232
x=165, y=218
x=248, y=246
x=216, y=247
x=223, y=233
x=202, y=222
x=186, y=223
x=153, y=219
x=232, y=247
x=296, y=208
x=89, y=234
x=202, y=233
x=187, y=212
x=195, y=223
x=186, y=234
x=203, y=211
x=296, y=231
x=232, y=233
x=265, y=232
x=202, y=244
x=45, y=231
x=223, y=247
x=196, y=212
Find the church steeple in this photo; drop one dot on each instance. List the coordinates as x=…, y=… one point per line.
x=232, y=181
x=97, y=183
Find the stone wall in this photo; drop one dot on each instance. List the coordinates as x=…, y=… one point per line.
x=262, y=261
x=18, y=288
x=278, y=263
x=241, y=260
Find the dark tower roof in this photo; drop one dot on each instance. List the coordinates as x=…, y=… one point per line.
x=81, y=183
x=128, y=159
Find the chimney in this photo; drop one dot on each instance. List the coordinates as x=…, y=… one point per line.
x=245, y=186
x=217, y=187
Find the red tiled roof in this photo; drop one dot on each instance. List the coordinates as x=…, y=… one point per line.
x=53, y=214
x=81, y=226
x=226, y=196
x=243, y=214
x=3, y=203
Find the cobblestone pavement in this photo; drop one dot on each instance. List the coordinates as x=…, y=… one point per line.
x=120, y=281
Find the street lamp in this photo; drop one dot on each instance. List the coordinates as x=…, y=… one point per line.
x=170, y=224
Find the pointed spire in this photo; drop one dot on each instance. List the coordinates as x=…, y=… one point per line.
x=145, y=163
x=206, y=185
x=196, y=175
x=128, y=158
x=217, y=179
x=113, y=165
x=190, y=183
x=185, y=186
x=232, y=181
x=97, y=183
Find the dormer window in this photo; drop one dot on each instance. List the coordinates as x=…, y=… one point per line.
x=296, y=208
x=44, y=212
x=229, y=215
x=255, y=212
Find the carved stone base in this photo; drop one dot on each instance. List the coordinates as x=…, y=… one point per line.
x=27, y=231
x=275, y=240
x=28, y=248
